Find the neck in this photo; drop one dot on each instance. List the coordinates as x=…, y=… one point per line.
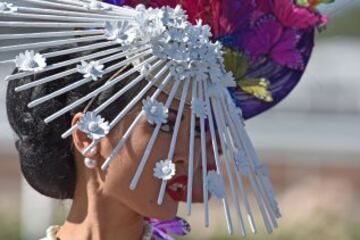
x=93, y=216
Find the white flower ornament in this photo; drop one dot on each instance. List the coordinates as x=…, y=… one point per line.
x=7, y=7
x=242, y=163
x=164, y=169
x=175, y=17
x=180, y=70
x=155, y=112
x=92, y=69
x=216, y=185
x=94, y=126
x=30, y=61
x=121, y=32
x=150, y=23
x=199, y=107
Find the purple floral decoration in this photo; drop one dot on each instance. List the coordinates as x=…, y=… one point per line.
x=162, y=230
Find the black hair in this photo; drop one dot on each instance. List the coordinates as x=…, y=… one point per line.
x=47, y=161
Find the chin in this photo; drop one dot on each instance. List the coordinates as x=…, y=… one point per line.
x=166, y=211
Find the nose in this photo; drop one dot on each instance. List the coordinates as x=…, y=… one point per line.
x=181, y=154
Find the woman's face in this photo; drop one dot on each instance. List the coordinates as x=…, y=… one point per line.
x=143, y=199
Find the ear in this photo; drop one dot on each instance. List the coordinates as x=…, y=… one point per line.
x=80, y=139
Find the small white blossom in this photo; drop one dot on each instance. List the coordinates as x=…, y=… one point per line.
x=242, y=163
x=30, y=61
x=180, y=70
x=177, y=51
x=93, y=125
x=146, y=69
x=150, y=23
x=7, y=7
x=216, y=185
x=199, y=70
x=199, y=108
x=164, y=169
x=155, y=112
x=93, y=69
x=198, y=34
x=121, y=32
x=97, y=5
x=175, y=17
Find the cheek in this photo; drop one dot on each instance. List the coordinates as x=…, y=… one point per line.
x=122, y=170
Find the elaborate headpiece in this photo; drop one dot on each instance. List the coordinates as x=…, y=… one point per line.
x=229, y=60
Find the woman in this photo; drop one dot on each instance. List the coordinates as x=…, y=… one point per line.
x=103, y=205
x=186, y=117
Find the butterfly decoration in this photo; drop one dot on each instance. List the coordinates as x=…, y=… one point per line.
x=273, y=37
x=162, y=230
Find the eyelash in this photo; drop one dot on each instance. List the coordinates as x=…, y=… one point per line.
x=169, y=127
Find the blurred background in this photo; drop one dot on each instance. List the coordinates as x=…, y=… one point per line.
x=311, y=142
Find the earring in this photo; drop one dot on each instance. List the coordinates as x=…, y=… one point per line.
x=90, y=163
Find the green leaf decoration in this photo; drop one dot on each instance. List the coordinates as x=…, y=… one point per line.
x=237, y=63
x=257, y=87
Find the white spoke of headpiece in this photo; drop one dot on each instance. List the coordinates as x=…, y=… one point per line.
x=125, y=110
x=50, y=34
x=250, y=151
x=56, y=12
x=54, y=17
x=130, y=105
x=51, y=43
x=191, y=151
x=217, y=157
x=75, y=70
x=260, y=197
x=78, y=59
x=23, y=24
x=225, y=147
x=152, y=140
x=241, y=165
x=94, y=93
x=175, y=135
x=137, y=119
x=200, y=98
x=77, y=84
x=66, y=5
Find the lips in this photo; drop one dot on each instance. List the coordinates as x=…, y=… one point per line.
x=177, y=188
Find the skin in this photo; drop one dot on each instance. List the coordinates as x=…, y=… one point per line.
x=103, y=206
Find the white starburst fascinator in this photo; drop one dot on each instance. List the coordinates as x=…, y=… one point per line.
x=167, y=52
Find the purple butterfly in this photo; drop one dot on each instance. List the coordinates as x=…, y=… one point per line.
x=269, y=38
x=163, y=229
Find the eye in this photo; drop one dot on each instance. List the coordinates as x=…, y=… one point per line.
x=169, y=126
